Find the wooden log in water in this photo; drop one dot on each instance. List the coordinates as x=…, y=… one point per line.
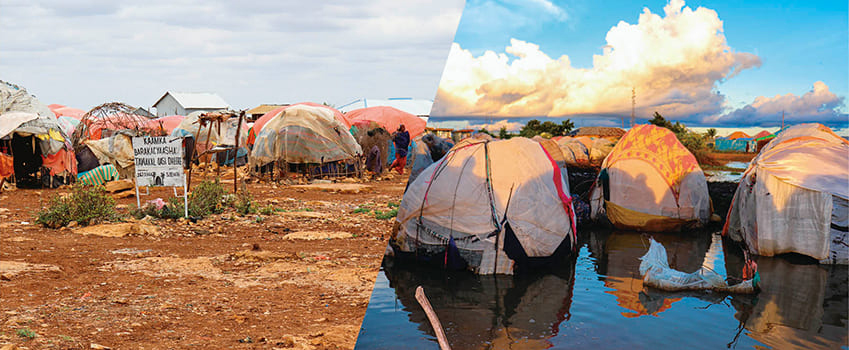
x=434, y=321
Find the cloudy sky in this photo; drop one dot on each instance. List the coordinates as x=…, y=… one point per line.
x=711, y=63
x=85, y=53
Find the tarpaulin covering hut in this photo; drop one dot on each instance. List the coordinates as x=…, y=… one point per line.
x=164, y=125
x=261, y=121
x=794, y=196
x=488, y=206
x=389, y=118
x=738, y=135
x=304, y=134
x=108, y=119
x=34, y=136
x=651, y=182
x=65, y=111
x=574, y=151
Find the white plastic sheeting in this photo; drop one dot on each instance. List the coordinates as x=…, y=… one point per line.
x=452, y=199
x=792, y=197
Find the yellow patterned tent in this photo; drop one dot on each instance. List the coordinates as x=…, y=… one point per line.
x=651, y=182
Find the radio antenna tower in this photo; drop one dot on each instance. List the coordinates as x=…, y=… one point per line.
x=633, y=105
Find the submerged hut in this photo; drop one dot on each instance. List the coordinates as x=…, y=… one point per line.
x=651, y=182
x=794, y=197
x=477, y=209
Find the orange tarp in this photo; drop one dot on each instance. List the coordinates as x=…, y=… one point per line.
x=738, y=135
x=7, y=167
x=660, y=148
x=389, y=118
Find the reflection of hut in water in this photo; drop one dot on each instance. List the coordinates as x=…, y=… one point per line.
x=618, y=258
x=492, y=311
x=799, y=306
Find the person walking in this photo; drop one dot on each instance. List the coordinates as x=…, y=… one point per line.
x=401, y=139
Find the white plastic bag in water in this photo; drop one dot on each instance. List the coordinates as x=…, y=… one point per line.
x=657, y=273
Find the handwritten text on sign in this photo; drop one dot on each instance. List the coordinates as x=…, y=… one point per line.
x=159, y=161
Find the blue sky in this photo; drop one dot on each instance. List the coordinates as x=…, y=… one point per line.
x=784, y=48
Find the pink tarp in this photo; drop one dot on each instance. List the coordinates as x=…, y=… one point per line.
x=65, y=111
x=164, y=125
x=389, y=118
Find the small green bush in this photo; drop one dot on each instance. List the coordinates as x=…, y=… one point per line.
x=86, y=205
x=362, y=210
x=381, y=215
x=26, y=333
x=206, y=199
x=171, y=210
x=244, y=203
x=267, y=210
x=393, y=205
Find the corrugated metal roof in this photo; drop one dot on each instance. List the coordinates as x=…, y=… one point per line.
x=196, y=99
x=413, y=106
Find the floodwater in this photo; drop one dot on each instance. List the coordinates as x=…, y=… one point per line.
x=726, y=175
x=597, y=301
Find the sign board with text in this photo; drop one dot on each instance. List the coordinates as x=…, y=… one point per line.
x=159, y=161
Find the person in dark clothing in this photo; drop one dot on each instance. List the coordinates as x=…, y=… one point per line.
x=401, y=139
x=374, y=162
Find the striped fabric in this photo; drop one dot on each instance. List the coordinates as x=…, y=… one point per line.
x=98, y=176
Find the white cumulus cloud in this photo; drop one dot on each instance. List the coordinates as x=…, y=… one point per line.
x=817, y=105
x=672, y=62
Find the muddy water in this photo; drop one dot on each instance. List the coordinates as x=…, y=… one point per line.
x=596, y=300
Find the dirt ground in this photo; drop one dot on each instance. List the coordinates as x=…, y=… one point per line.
x=300, y=278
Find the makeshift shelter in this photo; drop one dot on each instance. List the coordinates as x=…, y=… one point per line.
x=761, y=134
x=735, y=145
x=598, y=131
x=304, y=134
x=33, y=136
x=164, y=125
x=223, y=133
x=369, y=135
x=599, y=150
x=794, y=197
x=65, y=111
x=430, y=149
x=738, y=135
x=261, y=121
x=107, y=120
x=574, y=151
x=389, y=118
x=477, y=209
x=116, y=150
x=651, y=182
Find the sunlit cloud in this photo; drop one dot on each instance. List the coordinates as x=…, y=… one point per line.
x=819, y=104
x=672, y=62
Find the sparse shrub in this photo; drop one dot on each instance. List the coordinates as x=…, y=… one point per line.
x=393, y=205
x=206, y=199
x=381, y=215
x=244, y=203
x=26, y=333
x=267, y=210
x=171, y=210
x=86, y=205
x=362, y=210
